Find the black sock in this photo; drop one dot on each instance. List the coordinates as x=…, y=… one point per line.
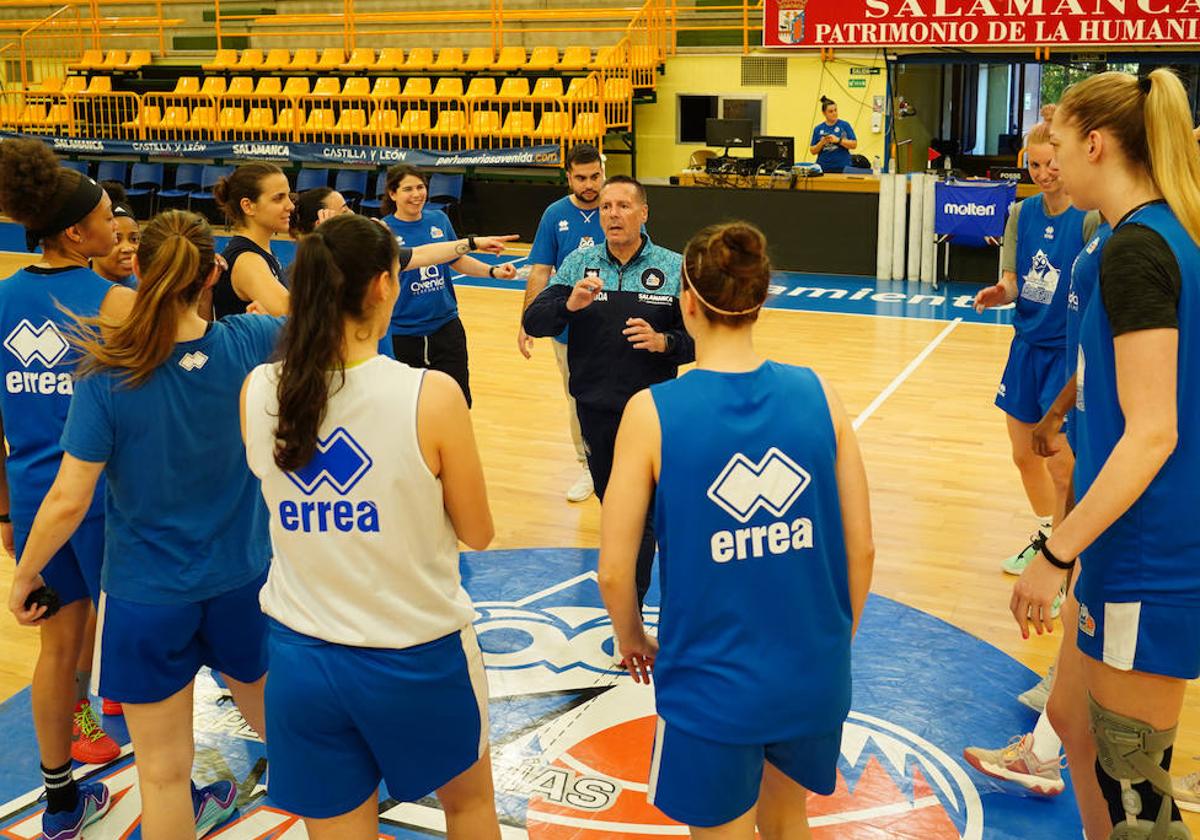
x=62, y=792
x=1151, y=799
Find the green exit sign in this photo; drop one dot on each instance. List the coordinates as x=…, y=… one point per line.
x=858, y=83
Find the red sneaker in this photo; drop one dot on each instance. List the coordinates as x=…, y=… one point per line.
x=111, y=707
x=89, y=743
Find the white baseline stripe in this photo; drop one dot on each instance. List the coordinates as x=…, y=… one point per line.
x=904, y=374
x=869, y=813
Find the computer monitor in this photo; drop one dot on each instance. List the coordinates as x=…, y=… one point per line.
x=778, y=150
x=729, y=134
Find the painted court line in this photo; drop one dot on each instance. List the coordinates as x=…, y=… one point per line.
x=904, y=374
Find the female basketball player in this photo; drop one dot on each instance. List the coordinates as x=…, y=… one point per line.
x=1043, y=236
x=71, y=218
x=766, y=553
x=257, y=200
x=426, y=330
x=117, y=266
x=1124, y=146
x=315, y=206
x=154, y=411
x=375, y=667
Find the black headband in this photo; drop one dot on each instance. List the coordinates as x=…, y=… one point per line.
x=79, y=204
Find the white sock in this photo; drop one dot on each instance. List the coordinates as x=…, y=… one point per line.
x=1046, y=743
x=1046, y=524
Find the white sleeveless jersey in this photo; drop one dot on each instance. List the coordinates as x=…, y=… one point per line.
x=364, y=551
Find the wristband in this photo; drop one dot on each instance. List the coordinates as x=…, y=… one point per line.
x=471, y=242
x=1039, y=544
x=492, y=271
x=5, y=519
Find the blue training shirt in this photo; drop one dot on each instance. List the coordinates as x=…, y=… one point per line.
x=1085, y=279
x=1046, y=248
x=38, y=368
x=833, y=158
x=185, y=520
x=1152, y=551
x=755, y=621
x=564, y=229
x=427, y=301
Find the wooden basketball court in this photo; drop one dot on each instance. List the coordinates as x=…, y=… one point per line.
x=947, y=502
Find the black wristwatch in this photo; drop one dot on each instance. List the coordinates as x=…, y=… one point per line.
x=668, y=342
x=471, y=242
x=492, y=271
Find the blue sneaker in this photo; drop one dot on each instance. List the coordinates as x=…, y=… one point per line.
x=214, y=804
x=93, y=804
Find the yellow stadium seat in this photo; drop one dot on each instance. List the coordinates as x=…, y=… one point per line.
x=327, y=86
x=331, y=59
x=575, y=58
x=296, y=86
x=515, y=88
x=517, y=124
x=587, y=125
x=351, y=121
x=304, y=60
x=390, y=58
x=617, y=90
x=202, y=119
x=414, y=122
x=449, y=124
x=231, y=118
x=269, y=86
x=100, y=84
x=419, y=59
x=175, y=116
x=448, y=87
x=262, y=119
x=277, y=59
x=249, y=60
x=548, y=88
x=386, y=120
x=386, y=86
x=187, y=84
x=136, y=61
x=240, y=86
x=543, y=58
x=449, y=59
x=418, y=86
x=320, y=119
x=602, y=57
x=90, y=60
x=481, y=87
x=52, y=84
x=74, y=84
x=361, y=59
x=582, y=86
x=357, y=86
x=115, y=58
x=150, y=116
x=59, y=114
x=485, y=123
x=511, y=58
x=33, y=115
x=285, y=121
x=553, y=124
x=480, y=58
x=223, y=60
x=214, y=85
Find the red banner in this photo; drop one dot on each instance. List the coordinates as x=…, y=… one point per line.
x=980, y=23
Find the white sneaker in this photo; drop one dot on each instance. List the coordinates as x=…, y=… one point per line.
x=583, y=487
x=1187, y=792
x=1036, y=697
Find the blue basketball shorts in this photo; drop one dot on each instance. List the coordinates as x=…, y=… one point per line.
x=704, y=783
x=1032, y=379
x=74, y=572
x=341, y=719
x=1133, y=635
x=148, y=652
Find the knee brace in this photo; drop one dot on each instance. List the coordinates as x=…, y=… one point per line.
x=1131, y=753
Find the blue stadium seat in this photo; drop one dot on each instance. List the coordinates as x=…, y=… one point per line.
x=112, y=170
x=371, y=205
x=187, y=180
x=145, y=183
x=80, y=166
x=352, y=184
x=307, y=179
x=201, y=200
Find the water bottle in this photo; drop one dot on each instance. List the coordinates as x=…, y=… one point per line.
x=876, y=165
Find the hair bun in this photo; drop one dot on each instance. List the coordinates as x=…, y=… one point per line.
x=220, y=191
x=742, y=244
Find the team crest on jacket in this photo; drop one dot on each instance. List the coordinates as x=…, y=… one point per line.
x=653, y=279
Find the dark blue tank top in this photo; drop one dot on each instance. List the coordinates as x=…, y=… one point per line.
x=755, y=623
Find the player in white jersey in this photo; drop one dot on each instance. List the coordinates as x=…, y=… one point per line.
x=371, y=476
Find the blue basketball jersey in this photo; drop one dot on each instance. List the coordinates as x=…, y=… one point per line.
x=38, y=367
x=564, y=229
x=427, y=301
x=1161, y=528
x=185, y=520
x=755, y=621
x=1046, y=248
x=1085, y=279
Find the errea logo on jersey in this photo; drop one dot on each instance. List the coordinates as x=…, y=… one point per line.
x=341, y=463
x=193, y=361
x=743, y=488
x=46, y=345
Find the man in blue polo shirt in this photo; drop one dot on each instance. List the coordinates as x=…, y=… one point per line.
x=568, y=225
